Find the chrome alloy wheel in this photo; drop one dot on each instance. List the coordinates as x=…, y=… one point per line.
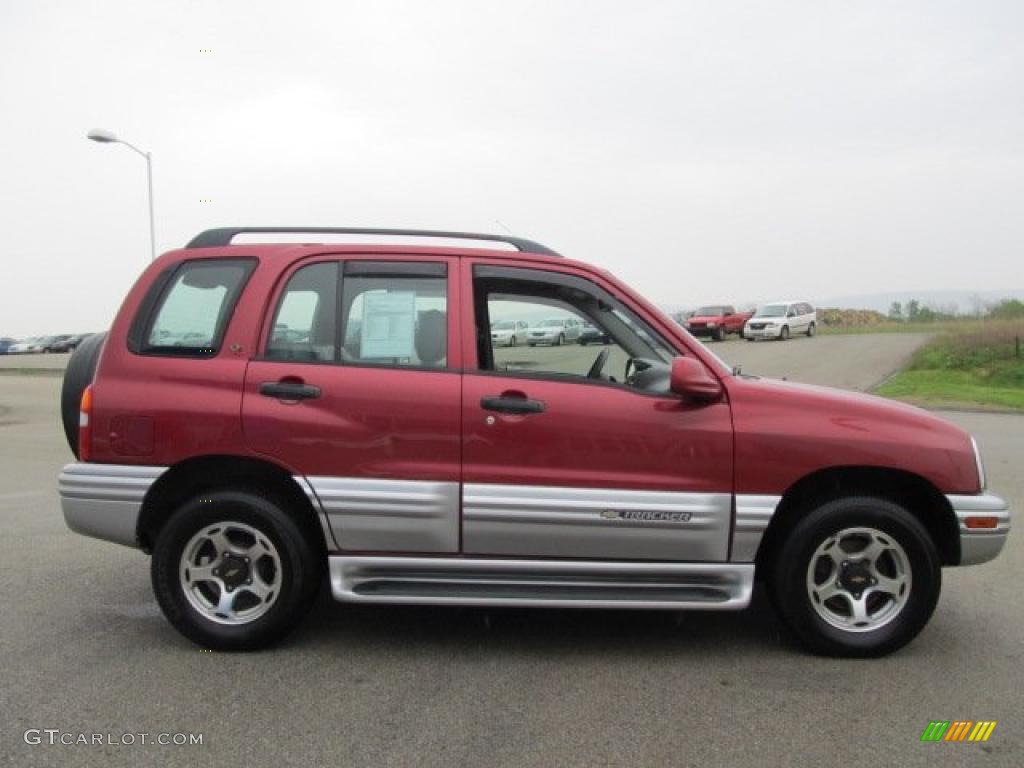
x=230, y=572
x=859, y=579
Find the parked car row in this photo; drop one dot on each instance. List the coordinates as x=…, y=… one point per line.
x=553, y=331
x=778, y=320
x=34, y=345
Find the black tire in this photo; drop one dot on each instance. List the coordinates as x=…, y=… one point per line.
x=581, y=341
x=720, y=333
x=784, y=333
x=512, y=341
x=561, y=339
x=77, y=376
x=811, y=330
x=302, y=565
x=789, y=573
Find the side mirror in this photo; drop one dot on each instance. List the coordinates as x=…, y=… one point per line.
x=690, y=379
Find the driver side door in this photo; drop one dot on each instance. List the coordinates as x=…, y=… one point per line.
x=558, y=464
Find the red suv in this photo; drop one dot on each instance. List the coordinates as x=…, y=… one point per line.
x=262, y=414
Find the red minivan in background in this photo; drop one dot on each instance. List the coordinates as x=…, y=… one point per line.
x=262, y=414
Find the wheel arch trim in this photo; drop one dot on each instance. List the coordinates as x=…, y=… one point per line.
x=922, y=499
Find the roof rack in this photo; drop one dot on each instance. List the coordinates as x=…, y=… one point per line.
x=213, y=238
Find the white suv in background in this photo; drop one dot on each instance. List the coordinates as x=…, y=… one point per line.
x=781, y=320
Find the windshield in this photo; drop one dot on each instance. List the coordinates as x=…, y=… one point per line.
x=503, y=325
x=709, y=311
x=551, y=323
x=772, y=310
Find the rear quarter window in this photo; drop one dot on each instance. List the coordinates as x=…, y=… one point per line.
x=188, y=308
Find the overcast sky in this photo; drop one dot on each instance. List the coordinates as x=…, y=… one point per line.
x=701, y=151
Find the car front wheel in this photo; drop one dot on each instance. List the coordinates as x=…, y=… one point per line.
x=858, y=576
x=784, y=333
x=232, y=570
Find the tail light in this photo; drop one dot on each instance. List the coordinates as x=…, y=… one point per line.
x=85, y=425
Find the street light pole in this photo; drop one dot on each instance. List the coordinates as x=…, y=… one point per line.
x=107, y=137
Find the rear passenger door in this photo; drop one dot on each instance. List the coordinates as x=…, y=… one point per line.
x=355, y=389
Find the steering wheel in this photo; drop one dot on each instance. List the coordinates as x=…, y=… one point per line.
x=598, y=366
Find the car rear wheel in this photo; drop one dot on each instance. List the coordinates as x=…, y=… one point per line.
x=784, y=333
x=232, y=570
x=858, y=576
x=811, y=330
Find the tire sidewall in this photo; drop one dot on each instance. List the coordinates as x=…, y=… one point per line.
x=301, y=566
x=789, y=582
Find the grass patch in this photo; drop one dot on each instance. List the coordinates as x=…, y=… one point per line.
x=950, y=388
x=969, y=364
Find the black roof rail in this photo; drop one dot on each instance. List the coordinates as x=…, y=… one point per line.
x=213, y=238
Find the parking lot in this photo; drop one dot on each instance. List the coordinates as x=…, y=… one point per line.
x=84, y=648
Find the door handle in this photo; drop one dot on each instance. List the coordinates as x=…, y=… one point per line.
x=518, y=405
x=289, y=390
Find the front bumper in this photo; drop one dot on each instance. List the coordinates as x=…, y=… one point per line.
x=762, y=333
x=979, y=545
x=104, y=500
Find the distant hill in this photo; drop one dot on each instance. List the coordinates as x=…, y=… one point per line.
x=960, y=302
x=956, y=302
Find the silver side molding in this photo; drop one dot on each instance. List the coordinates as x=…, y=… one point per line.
x=979, y=545
x=605, y=523
x=103, y=500
x=753, y=513
x=390, y=515
x=541, y=583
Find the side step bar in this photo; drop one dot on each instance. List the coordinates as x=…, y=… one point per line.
x=553, y=583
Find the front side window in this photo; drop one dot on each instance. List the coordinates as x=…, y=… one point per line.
x=557, y=344
x=395, y=315
x=195, y=306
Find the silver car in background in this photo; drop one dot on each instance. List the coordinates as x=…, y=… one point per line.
x=555, y=331
x=509, y=333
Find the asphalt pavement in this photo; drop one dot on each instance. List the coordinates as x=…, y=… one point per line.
x=84, y=649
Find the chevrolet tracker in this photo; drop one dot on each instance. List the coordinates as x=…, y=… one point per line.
x=262, y=415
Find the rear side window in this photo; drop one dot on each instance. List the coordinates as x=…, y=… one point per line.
x=395, y=314
x=194, y=306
